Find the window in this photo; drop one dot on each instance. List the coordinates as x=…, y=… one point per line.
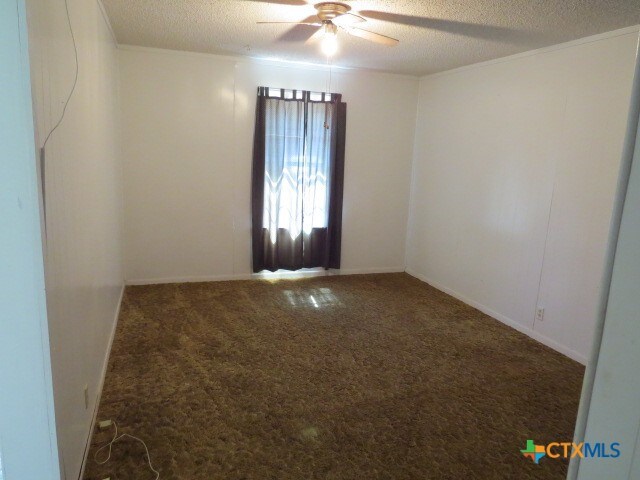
x=297, y=139
x=297, y=160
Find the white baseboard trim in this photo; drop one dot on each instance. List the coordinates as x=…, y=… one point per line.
x=264, y=276
x=103, y=375
x=578, y=357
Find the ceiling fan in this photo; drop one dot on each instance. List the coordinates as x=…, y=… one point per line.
x=333, y=15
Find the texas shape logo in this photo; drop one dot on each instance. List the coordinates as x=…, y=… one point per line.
x=533, y=451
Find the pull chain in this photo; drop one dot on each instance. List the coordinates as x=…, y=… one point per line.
x=326, y=110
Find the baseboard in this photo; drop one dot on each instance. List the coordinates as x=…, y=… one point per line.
x=103, y=375
x=578, y=357
x=263, y=276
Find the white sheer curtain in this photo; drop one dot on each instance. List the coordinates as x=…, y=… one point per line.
x=297, y=166
x=297, y=179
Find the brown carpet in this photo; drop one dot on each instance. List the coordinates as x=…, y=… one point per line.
x=343, y=377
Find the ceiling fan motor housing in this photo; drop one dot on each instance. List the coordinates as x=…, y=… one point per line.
x=327, y=11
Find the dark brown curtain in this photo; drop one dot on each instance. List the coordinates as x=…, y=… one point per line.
x=297, y=179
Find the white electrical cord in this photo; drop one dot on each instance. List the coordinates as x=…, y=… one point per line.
x=75, y=78
x=116, y=438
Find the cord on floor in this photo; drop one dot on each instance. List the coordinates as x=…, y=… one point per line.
x=117, y=438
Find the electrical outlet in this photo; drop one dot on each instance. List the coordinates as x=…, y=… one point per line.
x=539, y=314
x=86, y=397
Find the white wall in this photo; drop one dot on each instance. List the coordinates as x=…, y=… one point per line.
x=188, y=124
x=83, y=199
x=27, y=419
x=514, y=174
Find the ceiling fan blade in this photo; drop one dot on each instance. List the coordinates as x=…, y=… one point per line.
x=372, y=37
x=348, y=19
x=300, y=33
x=290, y=23
x=475, y=30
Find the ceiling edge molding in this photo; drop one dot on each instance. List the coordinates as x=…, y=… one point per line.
x=265, y=61
x=634, y=29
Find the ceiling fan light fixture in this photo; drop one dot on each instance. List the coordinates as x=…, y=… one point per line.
x=330, y=40
x=331, y=16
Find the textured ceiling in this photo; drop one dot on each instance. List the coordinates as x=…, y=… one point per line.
x=435, y=35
